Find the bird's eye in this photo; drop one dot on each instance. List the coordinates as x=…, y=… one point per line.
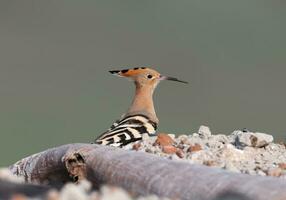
x=149, y=76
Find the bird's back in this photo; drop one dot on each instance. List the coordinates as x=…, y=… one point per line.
x=126, y=130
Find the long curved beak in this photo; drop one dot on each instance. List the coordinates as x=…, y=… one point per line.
x=168, y=78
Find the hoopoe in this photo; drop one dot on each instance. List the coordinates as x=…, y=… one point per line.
x=141, y=117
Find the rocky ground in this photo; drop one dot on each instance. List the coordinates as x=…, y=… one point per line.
x=242, y=151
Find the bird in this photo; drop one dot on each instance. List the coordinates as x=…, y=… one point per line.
x=141, y=116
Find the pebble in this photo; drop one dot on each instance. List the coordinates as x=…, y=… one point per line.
x=136, y=146
x=204, y=132
x=276, y=172
x=252, y=139
x=180, y=153
x=238, y=152
x=74, y=192
x=145, y=137
x=164, y=140
x=194, y=148
x=183, y=139
x=114, y=193
x=282, y=166
x=230, y=167
x=173, y=136
x=169, y=149
x=209, y=163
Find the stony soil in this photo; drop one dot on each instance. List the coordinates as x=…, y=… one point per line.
x=241, y=152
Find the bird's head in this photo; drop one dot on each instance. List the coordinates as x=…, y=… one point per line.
x=144, y=76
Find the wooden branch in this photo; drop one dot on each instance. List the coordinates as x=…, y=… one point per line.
x=143, y=174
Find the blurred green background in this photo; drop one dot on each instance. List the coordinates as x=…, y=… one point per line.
x=55, y=55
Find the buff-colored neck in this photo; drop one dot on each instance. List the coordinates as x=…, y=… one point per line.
x=143, y=102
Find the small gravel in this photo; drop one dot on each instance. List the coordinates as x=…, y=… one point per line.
x=242, y=151
x=83, y=191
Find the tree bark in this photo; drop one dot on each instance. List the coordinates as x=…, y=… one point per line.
x=143, y=174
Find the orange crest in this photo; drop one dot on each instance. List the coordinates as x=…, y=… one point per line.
x=130, y=72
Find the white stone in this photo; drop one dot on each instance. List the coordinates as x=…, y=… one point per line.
x=73, y=192
x=252, y=139
x=204, y=131
x=145, y=137
x=173, y=136
x=112, y=193
x=6, y=174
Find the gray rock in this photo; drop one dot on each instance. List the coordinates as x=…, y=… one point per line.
x=204, y=132
x=252, y=139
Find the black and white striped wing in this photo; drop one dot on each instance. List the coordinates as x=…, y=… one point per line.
x=127, y=130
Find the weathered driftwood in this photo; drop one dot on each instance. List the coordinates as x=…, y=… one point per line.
x=142, y=174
